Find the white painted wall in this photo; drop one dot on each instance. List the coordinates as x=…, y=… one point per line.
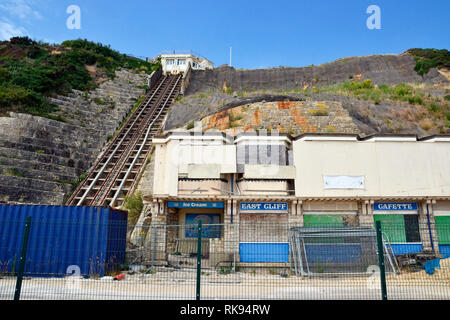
x=389, y=168
x=185, y=157
x=196, y=63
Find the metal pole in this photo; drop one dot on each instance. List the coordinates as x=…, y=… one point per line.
x=23, y=257
x=235, y=237
x=199, y=258
x=153, y=246
x=429, y=230
x=381, y=261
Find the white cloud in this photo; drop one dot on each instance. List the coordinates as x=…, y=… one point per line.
x=20, y=8
x=8, y=30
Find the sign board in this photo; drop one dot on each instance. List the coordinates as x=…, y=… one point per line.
x=197, y=205
x=264, y=207
x=210, y=225
x=343, y=182
x=395, y=207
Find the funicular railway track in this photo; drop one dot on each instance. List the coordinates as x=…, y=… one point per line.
x=114, y=174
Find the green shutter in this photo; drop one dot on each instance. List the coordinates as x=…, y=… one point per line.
x=324, y=221
x=321, y=220
x=393, y=225
x=443, y=229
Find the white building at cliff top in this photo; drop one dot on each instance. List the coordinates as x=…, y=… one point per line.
x=177, y=62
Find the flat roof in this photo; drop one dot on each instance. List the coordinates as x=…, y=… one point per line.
x=331, y=136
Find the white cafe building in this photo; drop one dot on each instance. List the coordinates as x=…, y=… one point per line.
x=248, y=182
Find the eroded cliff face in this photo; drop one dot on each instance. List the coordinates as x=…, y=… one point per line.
x=214, y=91
x=42, y=159
x=292, y=117
x=381, y=69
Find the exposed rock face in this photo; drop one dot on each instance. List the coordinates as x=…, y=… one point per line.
x=213, y=91
x=382, y=69
x=41, y=159
x=293, y=117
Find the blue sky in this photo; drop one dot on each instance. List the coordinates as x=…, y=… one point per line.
x=262, y=33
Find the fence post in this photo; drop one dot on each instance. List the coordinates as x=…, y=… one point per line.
x=381, y=261
x=23, y=257
x=153, y=245
x=199, y=258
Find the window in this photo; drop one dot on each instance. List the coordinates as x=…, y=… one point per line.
x=170, y=62
x=181, y=62
x=400, y=228
x=211, y=227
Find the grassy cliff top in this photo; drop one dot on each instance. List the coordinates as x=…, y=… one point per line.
x=30, y=71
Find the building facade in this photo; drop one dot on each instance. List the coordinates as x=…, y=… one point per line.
x=174, y=63
x=255, y=188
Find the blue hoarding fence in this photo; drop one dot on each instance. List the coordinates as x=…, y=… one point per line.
x=264, y=252
x=91, y=238
x=275, y=259
x=23, y=257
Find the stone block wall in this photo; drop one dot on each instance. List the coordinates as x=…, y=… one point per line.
x=41, y=159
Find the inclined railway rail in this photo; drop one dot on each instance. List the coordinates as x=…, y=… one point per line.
x=114, y=174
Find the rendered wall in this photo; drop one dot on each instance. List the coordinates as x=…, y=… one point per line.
x=389, y=168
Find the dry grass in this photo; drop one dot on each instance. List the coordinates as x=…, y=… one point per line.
x=426, y=124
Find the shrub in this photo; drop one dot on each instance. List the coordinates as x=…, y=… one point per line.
x=430, y=58
x=433, y=107
x=234, y=118
x=190, y=125
x=402, y=89
x=99, y=101
x=320, y=111
x=367, y=84
x=331, y=129
x=134, y=204
x=426, y=124
x=13, y=172
x=385, y=88
x=26, y=81
x=5, y=76
x=415, y=100
x=22, y=41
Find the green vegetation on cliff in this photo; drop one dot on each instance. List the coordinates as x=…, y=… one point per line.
x=31, y=71
x=430, y=58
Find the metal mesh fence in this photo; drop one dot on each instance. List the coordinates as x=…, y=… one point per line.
x=268, y=261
